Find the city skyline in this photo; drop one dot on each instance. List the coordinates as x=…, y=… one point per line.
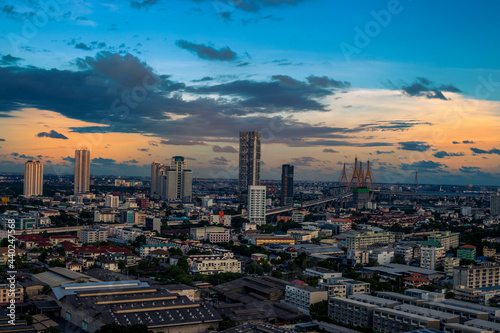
x=142, y=81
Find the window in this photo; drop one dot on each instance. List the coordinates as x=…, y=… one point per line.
x=84, y=326
x=68, y=316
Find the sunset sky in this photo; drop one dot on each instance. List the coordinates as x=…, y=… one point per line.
x=406, y=84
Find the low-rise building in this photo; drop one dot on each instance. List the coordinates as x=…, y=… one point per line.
x=466, y=252
x=213, y=264
x=449, y=264
x=349, y=311
x=446, y=239
x=476, y=276
x=18, y=294
x=322, y=273
x=92, y=235
x=303, y=296
x=394, y=321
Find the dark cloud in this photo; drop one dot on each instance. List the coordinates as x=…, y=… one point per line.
x=249, y=5
x=468, y=142
x=219, y=161
x=69, y=159
x=380, y=152
x=94, y=45
x=395, y=126
x=15, y=154
x=190, y=158
x=443, y=154
x=8, y=60
x=143, y=149
x=466, y=169
x=204, y=79
x=494, y=151
x=424, y=87
x=133, y=161
x=103, y=161
x=2, y=139
x=414, y=146
x=304, y=161
x=225, y=16
x=11, y=12
x=82, y=46
x=27, y=157
x=328, y=150
x=207, y=52
x=456, y=142
x=227, y=149
x=283, y=92
x=422, y=165
x=52, y=134
x=326, y=82
x=143, y=4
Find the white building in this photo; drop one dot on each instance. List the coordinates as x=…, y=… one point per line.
x=257, y=204
x=92, y=235
x=382, y=256
x=111, y=201
x=431, y=255
x=220, y=219
x=303, y=297
x=33, y=178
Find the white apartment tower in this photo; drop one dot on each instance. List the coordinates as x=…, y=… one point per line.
x=172, y=183
x=33, y=178
x=82, y=170
x=257, y=204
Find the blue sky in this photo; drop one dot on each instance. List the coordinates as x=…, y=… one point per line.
x=330, y=70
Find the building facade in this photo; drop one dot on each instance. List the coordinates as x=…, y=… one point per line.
x=286, y=184
x=303, y=297
x=249, y=161
x=361, y=241
x=82, y=171
x=257, y=204
x=431, y=254
x=447, y=239
x=33, y=178
x=495, y=204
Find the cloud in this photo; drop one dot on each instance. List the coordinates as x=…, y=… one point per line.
x=8, y=60
x=414, y=146
x=2, y=139
x=466, y=169
x=494, y=151
x=394, y=125
x=219, y=161
x=52, y=134
x=182, y=142
x=204, y=79
x=143, y=149
x=326, y=82
x=328, y=150
x=250, y=5
x=94, y=45
x=69, y=159
x=424, y=87
x=227, y=149
x=304, y=161
x=468, y=142
x=207, y=52
x=443, y=154
x=456, y=142
x=143, y=4
x=380, y=152
x=422, y=165
x=134, y=161
x=103, y=161
x=27, y=157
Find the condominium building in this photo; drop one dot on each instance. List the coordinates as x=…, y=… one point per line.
x=350, y=311
x=213, y=264
x=361, y=241
x=82, y=171
x=257, y=204
x=446, y=239
x=33, y=178
x=476, y=276
x=394, y=321
x=431, y=254
x=449, y=264
x=249, y=161
x=495, y=204
x=303, y=296
x=111, y=201
x=92, y=235
x=211, y=234
x=467, y=252
x=172, y=182
x=286, y=184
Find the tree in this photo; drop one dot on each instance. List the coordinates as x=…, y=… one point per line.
x=319, y=311
x=183, y=264
x=277, y=274
x=121, y=265
x=4, y=242
x=28, y=318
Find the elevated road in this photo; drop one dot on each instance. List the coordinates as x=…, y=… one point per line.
x=51, y=230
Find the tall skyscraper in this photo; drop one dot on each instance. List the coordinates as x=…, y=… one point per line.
x=172, y=182
x=33, y=178
x=82, y=170
x=495, y=204
x=249, y=171
x=257, y=204
x=286, y=184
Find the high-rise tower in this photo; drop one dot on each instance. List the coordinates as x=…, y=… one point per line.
x=82, y=170
x=249, y=171
x=33, y=178
x=286, y=184
x=173, y=182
